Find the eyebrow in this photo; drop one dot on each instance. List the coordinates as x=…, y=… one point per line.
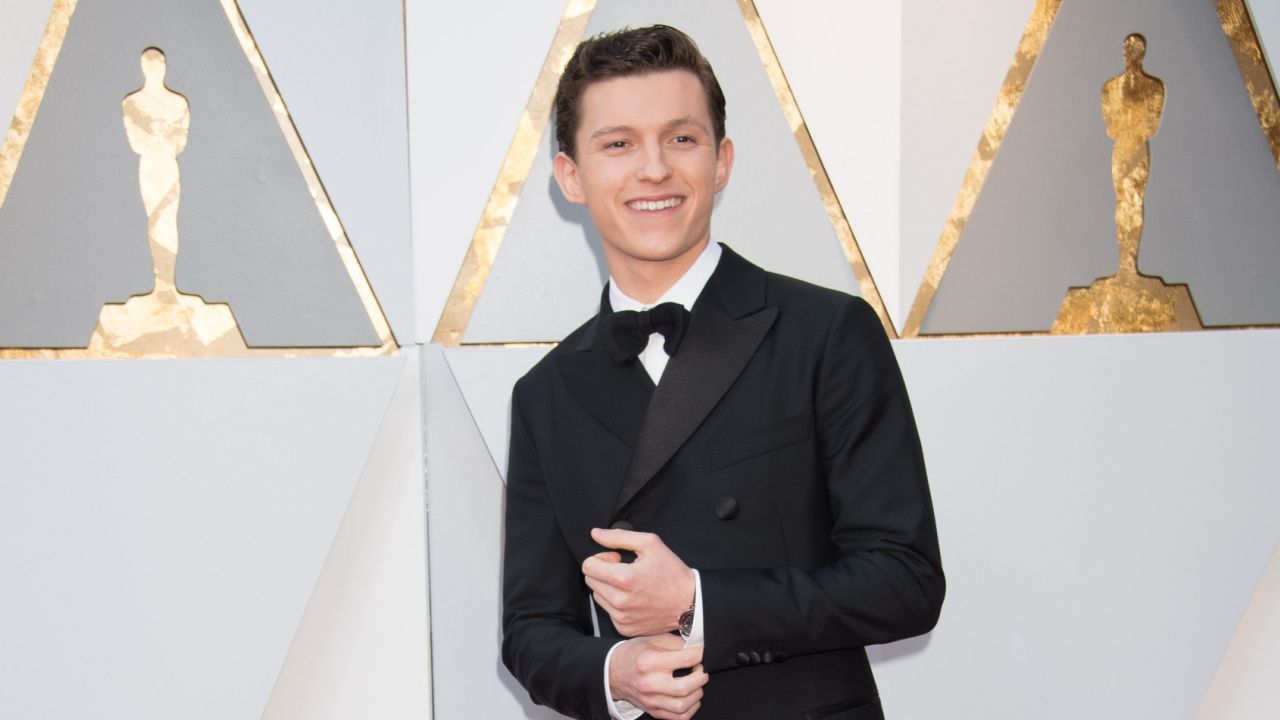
x=678, y=122
x=688, y=120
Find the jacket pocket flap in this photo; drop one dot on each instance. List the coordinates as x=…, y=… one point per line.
x=860, y=708
x=742, y=446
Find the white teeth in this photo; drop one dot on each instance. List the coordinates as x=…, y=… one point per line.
x=652, y=205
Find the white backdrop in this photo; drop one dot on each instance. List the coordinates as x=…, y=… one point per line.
x=1108, y=505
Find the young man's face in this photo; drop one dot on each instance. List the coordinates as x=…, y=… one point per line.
x=648, y=167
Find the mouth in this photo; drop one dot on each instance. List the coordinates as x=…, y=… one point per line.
x=655, y=205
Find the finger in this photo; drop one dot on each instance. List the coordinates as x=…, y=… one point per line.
x=603, y=602
x=611, y=573
x=690, y=683
x=692, y=711
x=609, y=557
x=667, y=661
x=684, y=657
x=600, y=592
x=623, y=539
x=676, y=707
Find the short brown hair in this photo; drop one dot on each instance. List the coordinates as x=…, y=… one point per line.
x=631, y=52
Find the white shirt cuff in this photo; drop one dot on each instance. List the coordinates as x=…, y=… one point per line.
x=618, y=709
x=695, y=635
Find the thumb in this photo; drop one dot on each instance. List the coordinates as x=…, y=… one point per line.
x=618, y=539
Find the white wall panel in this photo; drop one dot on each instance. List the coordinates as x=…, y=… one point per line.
x=1244, y=687
x=1105, y=505
x=471, y=68
x=163, y=524
x=954, y=60
x=1266, y=21
x=843, y=61
x=485, y=377
x=23, y=23
x=896, y=96
x=363, y=646
x=465, y=530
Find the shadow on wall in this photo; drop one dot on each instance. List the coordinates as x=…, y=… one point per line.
x=890, y=652
x=578, y=215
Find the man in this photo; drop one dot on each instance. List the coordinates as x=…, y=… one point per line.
x=713, y=511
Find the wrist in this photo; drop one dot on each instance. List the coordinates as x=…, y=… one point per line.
x=684, y=622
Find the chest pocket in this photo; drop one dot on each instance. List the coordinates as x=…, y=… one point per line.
x=726, y=451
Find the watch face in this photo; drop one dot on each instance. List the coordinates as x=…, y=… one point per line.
x=686, y=623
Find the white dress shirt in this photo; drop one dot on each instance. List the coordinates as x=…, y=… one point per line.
x=654, y=358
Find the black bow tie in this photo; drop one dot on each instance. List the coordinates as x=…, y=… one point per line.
x=626, y=333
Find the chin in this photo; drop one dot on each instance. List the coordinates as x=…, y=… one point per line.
x=664, y=251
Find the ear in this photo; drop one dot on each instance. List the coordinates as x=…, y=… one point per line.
x=566, y=171
x=724, y=163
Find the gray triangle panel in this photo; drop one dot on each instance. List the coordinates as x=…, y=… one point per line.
x=73, y=228
x=1045, y=218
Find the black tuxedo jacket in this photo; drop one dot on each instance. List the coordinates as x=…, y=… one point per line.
x=778, y=456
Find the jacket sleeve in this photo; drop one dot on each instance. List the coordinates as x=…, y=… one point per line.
x=547, y=639
x=886, y=580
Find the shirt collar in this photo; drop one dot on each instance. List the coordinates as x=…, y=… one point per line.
x=685, y=290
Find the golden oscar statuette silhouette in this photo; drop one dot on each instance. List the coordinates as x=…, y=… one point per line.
x=163, y=322
x=1132, y=103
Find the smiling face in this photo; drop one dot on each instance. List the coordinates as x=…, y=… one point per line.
x=648, y=168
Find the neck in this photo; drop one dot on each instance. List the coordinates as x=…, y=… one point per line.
x=647, y=280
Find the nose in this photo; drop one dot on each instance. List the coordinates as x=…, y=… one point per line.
x=653, y=165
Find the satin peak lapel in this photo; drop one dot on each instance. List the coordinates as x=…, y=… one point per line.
x=727, y=325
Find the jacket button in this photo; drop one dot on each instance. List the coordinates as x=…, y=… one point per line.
x=621, y=525
x=743, y=658
x=726, y=508
x=755, y=658
x=767, y=657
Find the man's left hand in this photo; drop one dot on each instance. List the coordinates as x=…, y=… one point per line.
x=643, y=597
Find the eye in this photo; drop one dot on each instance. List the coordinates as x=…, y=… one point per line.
x=684, y=139
x=616, y=145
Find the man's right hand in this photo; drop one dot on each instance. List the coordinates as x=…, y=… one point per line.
x=640, y=672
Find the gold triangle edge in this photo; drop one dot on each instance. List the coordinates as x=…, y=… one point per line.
x=15, y=142
x=1258, y=80
x=817, y=170
x=33, y=92
x=975, y=177
x=1256, y=75
x=500, y=208
x=324, y=206
x=498, y=211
